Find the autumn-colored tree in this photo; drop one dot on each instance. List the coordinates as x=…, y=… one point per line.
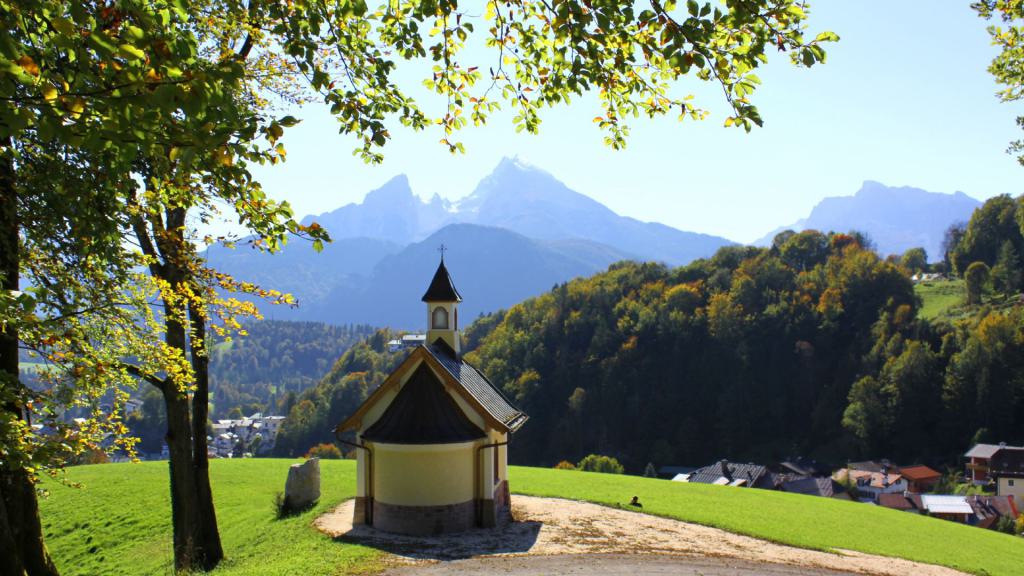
x=177, y=97
x=324, y=451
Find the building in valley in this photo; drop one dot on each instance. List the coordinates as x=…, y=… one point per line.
x=979, y=459
x=1006, y=468
x=432, y=440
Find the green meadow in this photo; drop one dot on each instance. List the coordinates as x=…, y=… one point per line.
x=117, y=522
x=940, y=298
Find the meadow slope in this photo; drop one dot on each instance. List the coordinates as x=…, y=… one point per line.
x=118, y=522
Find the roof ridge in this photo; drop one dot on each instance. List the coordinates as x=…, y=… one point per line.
x=497, y=389
x=512, y=421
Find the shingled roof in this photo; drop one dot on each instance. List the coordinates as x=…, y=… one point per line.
x=487, y=394
x=459, y=376
x=441, y=288
x=730, y=473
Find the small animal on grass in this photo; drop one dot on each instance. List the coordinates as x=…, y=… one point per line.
x=635, y=502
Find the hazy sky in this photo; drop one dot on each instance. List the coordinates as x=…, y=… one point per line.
x=904, y=99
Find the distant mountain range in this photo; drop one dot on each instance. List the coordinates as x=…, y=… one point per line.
x=519, y=233
x=895, y=219
x=515, y=197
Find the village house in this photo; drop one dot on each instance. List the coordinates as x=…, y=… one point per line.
x=988, y=509
x=406, y=341
x=871, y=484
x=237, y=436
x=920, y=478
x=801, y=466
x=947, y=507
x=975, y=510
x=725, y=473
x=432, y=440
x=1006, y=468
x=978, y=459
x=814, y=486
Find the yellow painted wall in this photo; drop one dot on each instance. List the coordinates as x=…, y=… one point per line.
x=451, y=335
x=487, y=456
x=423, y=475
x=1004, y=488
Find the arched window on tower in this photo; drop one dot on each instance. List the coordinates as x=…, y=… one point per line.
x=440, y=319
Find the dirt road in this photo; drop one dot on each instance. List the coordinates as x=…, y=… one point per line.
x=551, y=536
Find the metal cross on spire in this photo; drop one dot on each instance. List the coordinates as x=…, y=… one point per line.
x=442, y=249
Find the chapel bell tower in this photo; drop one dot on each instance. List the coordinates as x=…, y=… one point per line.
x=442, y=308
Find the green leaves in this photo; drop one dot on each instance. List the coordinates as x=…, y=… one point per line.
x=131, y=52
x=1008, y=67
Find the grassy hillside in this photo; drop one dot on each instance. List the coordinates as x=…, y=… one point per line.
x=118, y=523
x=940, y=298
x=797, y=520
x=946, y=299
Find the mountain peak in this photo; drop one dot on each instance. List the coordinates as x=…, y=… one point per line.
x=396, y=189
x=514, y=163
x=896, y=218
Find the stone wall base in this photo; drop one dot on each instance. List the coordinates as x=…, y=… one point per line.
x=423, y=520
x=497, y=511
x=359, y=514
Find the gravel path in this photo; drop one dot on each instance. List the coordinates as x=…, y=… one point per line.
x=559, y=532
x=606, y=564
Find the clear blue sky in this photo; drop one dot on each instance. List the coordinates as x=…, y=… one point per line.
x=904, y=99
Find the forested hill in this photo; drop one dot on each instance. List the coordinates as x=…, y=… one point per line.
x=748, y=355
x=258, y=371
x=812, y=346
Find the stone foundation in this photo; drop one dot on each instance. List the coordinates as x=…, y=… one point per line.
x=423, y=520
x=359, y=512
x=502, y=503
x=497, y=511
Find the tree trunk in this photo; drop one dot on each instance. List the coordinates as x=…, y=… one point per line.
x=200, y=412
x=21, y=533
x=196, y=538
x=184, y=500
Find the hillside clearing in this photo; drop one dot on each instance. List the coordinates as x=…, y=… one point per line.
x=940, y=298
x=946, y=300
x=118, y=523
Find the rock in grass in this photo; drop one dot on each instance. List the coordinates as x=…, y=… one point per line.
x=302, y=488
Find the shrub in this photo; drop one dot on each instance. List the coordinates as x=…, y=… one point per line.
x=565, y=465
x=1007, y=525
x=1019, y=524
x=975, y=278
x=324, y=452
x=599, y=463
x=283, y=508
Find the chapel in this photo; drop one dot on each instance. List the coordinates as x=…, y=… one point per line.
x=432, y=440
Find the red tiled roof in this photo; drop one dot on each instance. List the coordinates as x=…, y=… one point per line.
x=919, y=473
x=896, y=501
